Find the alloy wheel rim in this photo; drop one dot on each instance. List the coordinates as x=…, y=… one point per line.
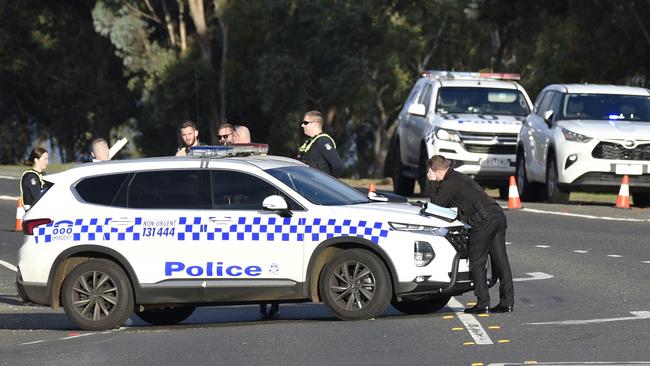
x=94, y=295
x=352, y=285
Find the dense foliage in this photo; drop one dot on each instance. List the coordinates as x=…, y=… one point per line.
x=72, y=70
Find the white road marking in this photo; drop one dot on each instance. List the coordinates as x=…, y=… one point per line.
x=534, y=276
x=542, y=246
x=9, y=265
x=76, y=336
x=583, y=216
x=637, y=315
x=614, y=255
x=581, y=251
x=578, y=363
x=8, y=177
x=472, y=325
x=34, y=342
x=9, y=198
x=646, y=262
x=508, y=243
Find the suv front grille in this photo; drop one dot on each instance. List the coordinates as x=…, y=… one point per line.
x=489, y=143
x=491, y=149
x=609, y=150
x=458, y=236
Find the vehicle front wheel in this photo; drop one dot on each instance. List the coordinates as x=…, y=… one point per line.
x=423, y=182
x=97, y=295
x=425, y=306
x=355, y=285
x=402, y=185
x=528, y=191
x=554, y=194
x=166, y=316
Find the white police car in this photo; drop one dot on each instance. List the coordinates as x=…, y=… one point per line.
x=470, y=118
x=160, y=236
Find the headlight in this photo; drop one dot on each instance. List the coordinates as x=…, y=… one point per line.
x=575, y=137
x=397, y=226
x=447, y=135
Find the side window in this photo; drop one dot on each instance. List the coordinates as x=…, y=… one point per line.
x=414, y=93
x=544, y=105
x=102, y=190
x=425, y=98
x=240, y=191
x=538, y=101
x=170, y=189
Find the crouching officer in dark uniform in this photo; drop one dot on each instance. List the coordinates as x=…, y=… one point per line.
x=319, y=151
x=487, y=235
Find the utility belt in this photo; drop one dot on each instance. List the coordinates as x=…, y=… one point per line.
x=482, y=211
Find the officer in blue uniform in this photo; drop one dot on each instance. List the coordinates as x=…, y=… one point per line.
x=319, y=151
x=32, y=185
x=450, y=188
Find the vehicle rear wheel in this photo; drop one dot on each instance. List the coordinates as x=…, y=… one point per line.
x=641, y=199
x=425, y=306
x=527, y=191
x=165, y=316
x=402, y=185
x=554, y=194
x=355, y=285
x=97, y=295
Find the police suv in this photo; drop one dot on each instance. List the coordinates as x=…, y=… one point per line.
x=585, y=137
x=160, y=236
x=470, y=118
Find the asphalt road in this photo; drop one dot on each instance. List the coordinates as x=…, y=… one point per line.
x=582, y=297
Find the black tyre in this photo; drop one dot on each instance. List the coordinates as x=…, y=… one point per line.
x=423, y=182
x=97, y=295
x=166, y=316
x=355, y=285
x=504, y=191
x=527, y=191
x=425, y=306
x=641, y=199
x=402, y=185
x=553, y=192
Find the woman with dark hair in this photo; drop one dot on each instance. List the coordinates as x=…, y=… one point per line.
x=32, y=185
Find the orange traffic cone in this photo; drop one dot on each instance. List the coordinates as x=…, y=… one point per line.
x=20, y=212
x=513, y=195
x=371, y=187
x=623, y=200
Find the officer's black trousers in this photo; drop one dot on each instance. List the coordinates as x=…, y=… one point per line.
x=489, y=237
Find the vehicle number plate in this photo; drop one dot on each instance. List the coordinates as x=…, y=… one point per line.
x=629, y=169
x=495, y=162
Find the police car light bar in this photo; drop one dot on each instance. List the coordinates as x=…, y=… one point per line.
x=228, y=150
x=438, y=74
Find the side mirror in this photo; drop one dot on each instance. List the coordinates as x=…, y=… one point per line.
x=548, y=116
x=417, y=109
x=276, y=203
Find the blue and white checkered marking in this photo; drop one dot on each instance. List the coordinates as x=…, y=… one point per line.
x=261, y=228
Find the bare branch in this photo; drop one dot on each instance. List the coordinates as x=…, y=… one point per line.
x=141, y=13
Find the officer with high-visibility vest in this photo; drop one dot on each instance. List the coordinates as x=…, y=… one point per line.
x=319, y=151
x=32, y=185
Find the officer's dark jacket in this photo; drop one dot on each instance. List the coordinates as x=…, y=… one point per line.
x=32, y=187
x=320, y=152
x=459, y=190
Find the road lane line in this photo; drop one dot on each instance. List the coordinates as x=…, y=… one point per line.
x=534, y=276
x=9, y=265
x=583, y=216
x=614, y=255
x=34, y=342
x=646, y=262
x=581, y=251
x=542, y=246
x=472, y=325
x=76, y=336
x=637, y=316
x=9, y=198
x=8, y=177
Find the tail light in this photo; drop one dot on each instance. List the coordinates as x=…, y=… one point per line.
x=29, y=225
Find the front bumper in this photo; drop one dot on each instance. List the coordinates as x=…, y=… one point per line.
x=460, y=282
x=491, y=165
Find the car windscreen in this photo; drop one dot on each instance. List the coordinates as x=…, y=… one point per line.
x=496, y=101
x=318, y=187
x=606, y=107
